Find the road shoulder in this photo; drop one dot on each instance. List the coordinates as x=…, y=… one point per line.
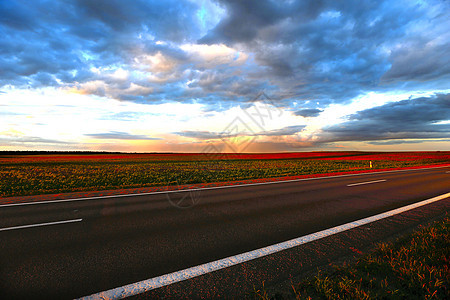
x=159, y=189
x=278, y=271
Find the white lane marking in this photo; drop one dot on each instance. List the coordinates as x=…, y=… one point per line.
x=167, y=279
x=41, y=224
x=211, y=188
x=366, y=182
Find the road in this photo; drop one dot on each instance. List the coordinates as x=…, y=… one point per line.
x=76, y=248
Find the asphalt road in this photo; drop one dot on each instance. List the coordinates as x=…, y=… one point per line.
x=75, y=248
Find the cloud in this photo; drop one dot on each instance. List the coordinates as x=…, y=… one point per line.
x=118, y=135
x=308, y=112
x=203, y=135
x=130, y=116
x=421, y=60
x=244, y=20
x=332, y=50
x=225, y=50
x=18, y=140
x=10, y=113
x=289, y=130
x=206, y=135
x=398, y=142
x=209, y=56
x=65, y=40
x=419, y=118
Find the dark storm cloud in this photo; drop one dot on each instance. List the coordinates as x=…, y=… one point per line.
x=338, y=49
x=308, y=112
x=244, y=20
x=168, y=19
x=118, y=135
x=64, y=39
x=325, y=51
x=415, y=61
x=419, y=118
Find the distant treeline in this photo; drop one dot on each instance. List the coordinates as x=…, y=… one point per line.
x=73, y=152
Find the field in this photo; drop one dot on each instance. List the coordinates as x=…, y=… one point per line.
x=33, y=174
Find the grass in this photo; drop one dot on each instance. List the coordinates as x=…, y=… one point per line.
x=46, y=174
x=413, y=267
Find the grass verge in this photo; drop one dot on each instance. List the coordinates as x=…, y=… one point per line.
x=413, y=267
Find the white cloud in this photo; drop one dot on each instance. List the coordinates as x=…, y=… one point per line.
x=156, y=63
x=209, y=56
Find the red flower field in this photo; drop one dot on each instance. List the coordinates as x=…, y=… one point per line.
x=61, y=173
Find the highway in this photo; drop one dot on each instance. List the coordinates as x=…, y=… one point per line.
x=75, y=248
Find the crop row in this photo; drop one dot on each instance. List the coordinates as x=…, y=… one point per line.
x=53, y=177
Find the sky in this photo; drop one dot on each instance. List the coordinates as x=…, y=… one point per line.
x=224, y=75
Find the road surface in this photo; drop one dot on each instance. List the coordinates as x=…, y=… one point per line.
x=79, y=247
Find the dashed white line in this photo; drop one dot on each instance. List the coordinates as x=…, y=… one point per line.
x=40, y=224
x=212, y=188
x=366, y=182
x=167, y=279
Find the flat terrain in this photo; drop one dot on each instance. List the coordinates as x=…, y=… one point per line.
x=105, y=243
x=40, y=173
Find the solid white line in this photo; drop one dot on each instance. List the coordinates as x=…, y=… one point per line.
x=167, y=279
x=367, y=182
x=211, y=188
x=41, y=224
